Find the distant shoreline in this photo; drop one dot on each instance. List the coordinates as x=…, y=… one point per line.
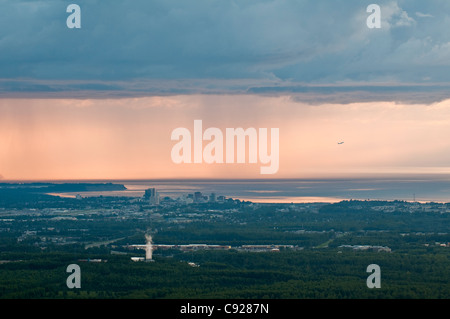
x=256, y=191
x=41, y=187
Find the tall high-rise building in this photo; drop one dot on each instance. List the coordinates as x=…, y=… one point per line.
x=198, y=197
x=152, y=196
x=212, y=197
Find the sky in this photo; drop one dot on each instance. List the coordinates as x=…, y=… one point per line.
x=100, y=102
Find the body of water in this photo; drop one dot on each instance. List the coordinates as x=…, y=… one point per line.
x=296, y=191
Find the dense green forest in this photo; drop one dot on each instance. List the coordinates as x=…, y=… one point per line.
x=324, y=249
x=231, y=274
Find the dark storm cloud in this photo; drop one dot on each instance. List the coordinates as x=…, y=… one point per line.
x=208, y=46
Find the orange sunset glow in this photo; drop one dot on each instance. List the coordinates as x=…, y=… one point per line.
x=54, y=139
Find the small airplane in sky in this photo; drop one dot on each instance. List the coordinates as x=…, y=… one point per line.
x=340, y=143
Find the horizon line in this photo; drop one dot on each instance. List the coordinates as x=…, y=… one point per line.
x=206, y=179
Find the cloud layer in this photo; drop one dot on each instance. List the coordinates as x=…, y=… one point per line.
x=265, y=46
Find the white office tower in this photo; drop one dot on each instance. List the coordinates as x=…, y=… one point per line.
x=152, y=196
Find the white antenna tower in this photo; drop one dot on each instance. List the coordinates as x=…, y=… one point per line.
x=149, y=248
